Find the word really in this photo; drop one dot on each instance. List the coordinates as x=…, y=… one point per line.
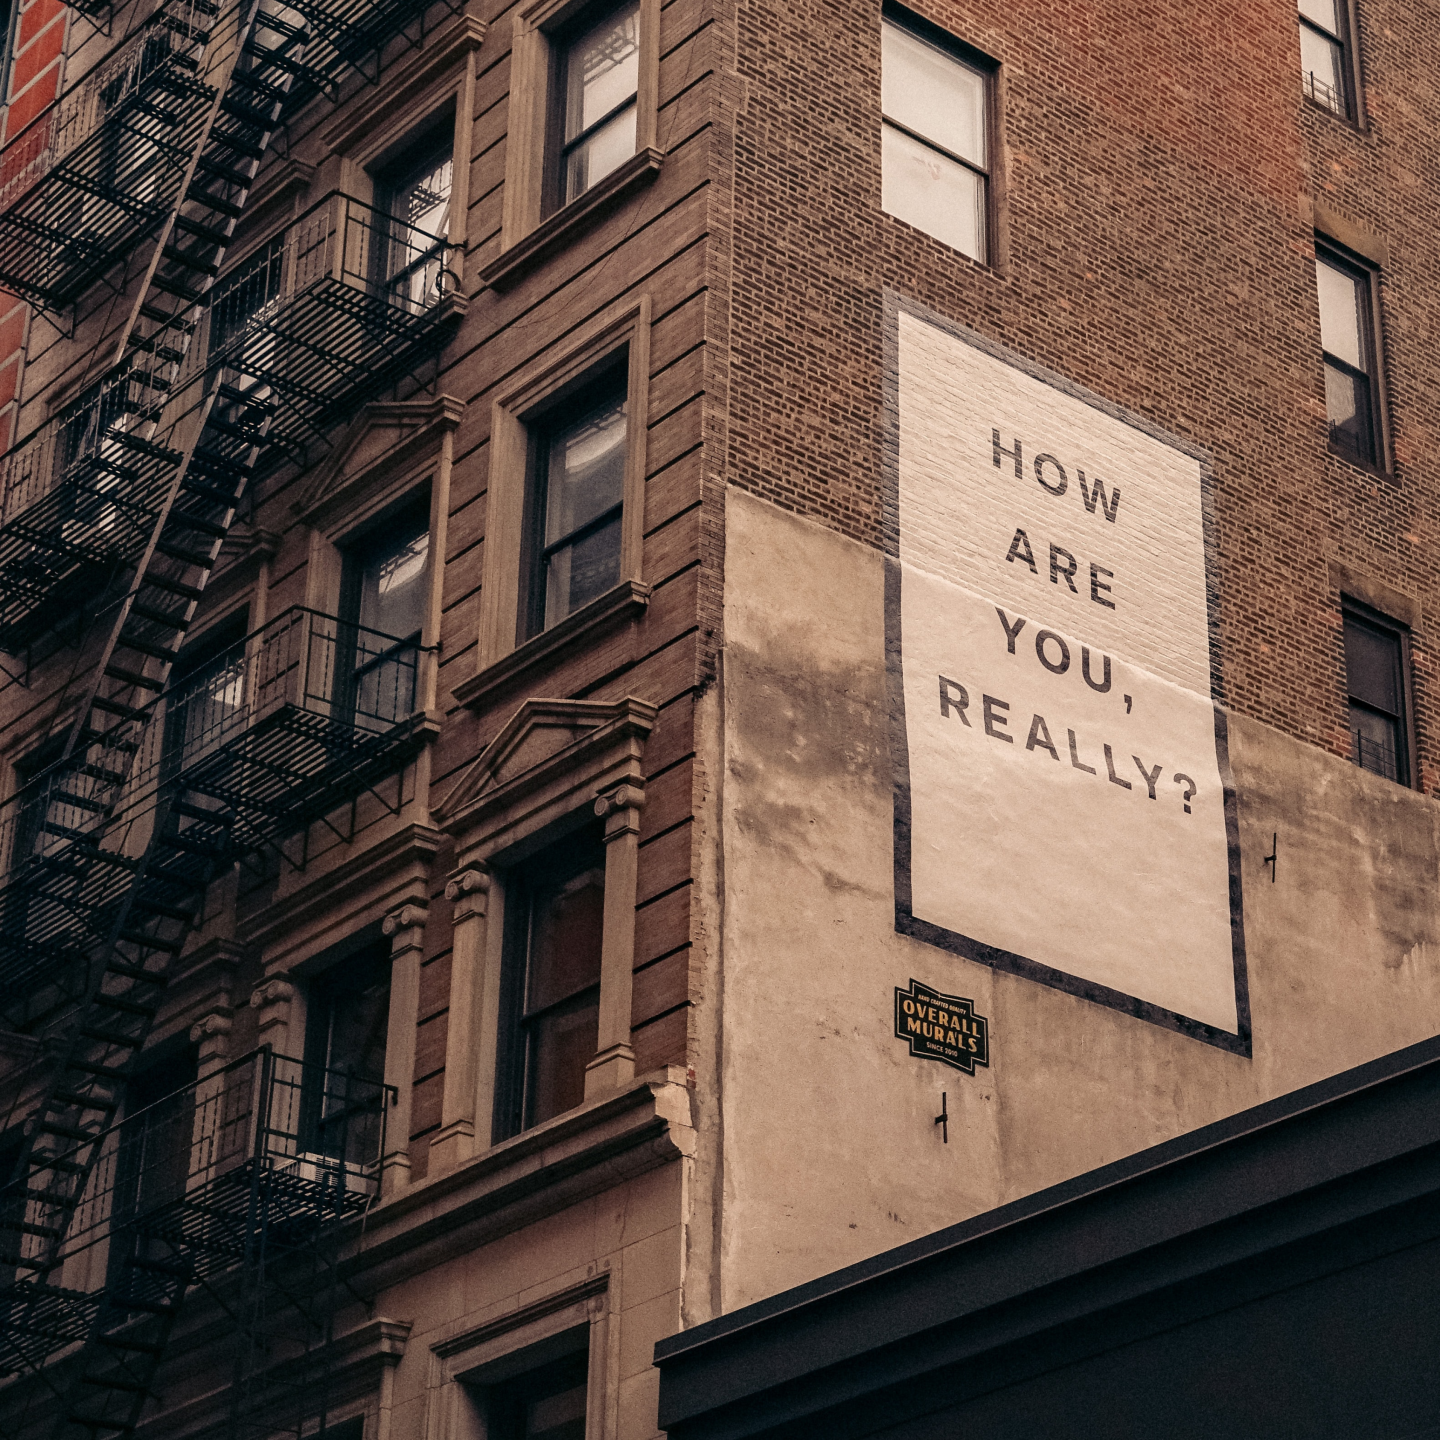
x=955, y=700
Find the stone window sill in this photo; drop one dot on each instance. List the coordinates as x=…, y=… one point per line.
x=565, y=224
x=625, y=602
x=581, y=1153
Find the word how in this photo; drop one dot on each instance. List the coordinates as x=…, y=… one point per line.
x=1051, y=477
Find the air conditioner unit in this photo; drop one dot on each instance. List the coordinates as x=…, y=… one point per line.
x=329, y=1172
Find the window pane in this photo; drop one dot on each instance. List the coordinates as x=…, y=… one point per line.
x=567, y=921
x=577, y=573
x=1374, y=742
x=1321, y=62
x=585, y=471
x=392, y=587
x=1372, y=666
x=1323, y=12
x=602, y=68
x=932, y=94
x=932, y=193
x=598, y=154
x=1347, y=404
x=1339, y=313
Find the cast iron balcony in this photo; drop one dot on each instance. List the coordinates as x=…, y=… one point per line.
x=99, y=170
x=266, y=1151
x=335, y=309
x=292, y=724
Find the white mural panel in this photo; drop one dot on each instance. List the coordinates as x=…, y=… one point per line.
x=1063, y=808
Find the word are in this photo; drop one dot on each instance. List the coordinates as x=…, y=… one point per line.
x=995, y=719
x=1063, y=566
x=1052, y=477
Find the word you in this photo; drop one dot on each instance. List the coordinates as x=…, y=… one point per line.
x=995, y=719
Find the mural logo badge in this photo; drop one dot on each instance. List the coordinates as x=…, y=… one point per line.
x=942, y=1027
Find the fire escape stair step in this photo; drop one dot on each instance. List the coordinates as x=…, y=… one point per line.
x=163, y=317
x=207, y=492
x=167, y=618
x=151, y=942
x=199, y=812
x=116, y=1038
x=122, y=1005
x=131, y=677
x=114, y=707
x=130, y=1344
x=201, y=526
x=106, y=1072
x=116, y=1382
x=150, y=449
x=108, y=740
x=189, y=260
x=148, y=647
x=216, y=203
x=173, y=587
x=228, y=173
x=247, y=114
x=85, y=1102
x=208, y=233
x=186, y=557
x=81, y=802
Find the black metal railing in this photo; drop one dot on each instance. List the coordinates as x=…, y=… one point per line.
x=1374, y=755
x=1322, y=92
x=96, y=171
x=340, y=305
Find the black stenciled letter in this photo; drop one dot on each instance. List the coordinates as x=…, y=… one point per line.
x=1110, y=766
x=1097, y=585
x=1075, y=756
x=1011, y=631
x=1104, y=685
x=1000, y=450
x=1151, y=776
x=1041, y=461
x=1063, y=663
x=956, y=702
x=1040, y=737
x=1057, y=569
x=1020, y=550
x=991, y=705
x=1109, y=507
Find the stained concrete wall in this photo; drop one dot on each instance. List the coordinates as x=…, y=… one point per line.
x=829, y=1150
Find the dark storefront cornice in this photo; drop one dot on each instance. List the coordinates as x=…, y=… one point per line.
x=1270, y=1198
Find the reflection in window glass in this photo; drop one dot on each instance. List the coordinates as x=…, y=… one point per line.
x=601, y=74
x=582, y=478
x=1322, y=53
x=934, y=141
x=1345, y=336
x=418, y=201
x=1374, y=671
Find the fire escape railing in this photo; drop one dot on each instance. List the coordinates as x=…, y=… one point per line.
x=296, y=720
x=98, y=171
x=264, y=1154
x=341, y=304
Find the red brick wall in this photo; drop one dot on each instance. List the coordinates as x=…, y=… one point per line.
x=34, y=83
x=1160, y=166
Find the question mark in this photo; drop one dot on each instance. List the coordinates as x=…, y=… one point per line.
x=1189, y=790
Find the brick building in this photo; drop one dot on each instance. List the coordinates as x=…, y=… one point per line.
x=606, y=608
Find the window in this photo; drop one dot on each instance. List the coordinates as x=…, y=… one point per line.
x=206, y=698
x=1347, y=336
x=554, y=926
x=153, y=1156
x=545, y=1402
x=413, y=195
x=577, y=494
x=346, y=1023
x=935, y=145
x=595, y=101
x=384, y=595
x=1376, y=670
x=1324, y=61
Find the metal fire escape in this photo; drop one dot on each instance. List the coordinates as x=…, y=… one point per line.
x=117, y=508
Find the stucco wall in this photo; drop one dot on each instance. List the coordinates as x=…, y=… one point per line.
x=830, y=1153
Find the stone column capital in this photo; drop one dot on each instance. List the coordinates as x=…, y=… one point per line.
x=410, y=916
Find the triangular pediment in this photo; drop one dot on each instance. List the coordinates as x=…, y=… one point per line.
x=388, y=435
x=540, y=733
